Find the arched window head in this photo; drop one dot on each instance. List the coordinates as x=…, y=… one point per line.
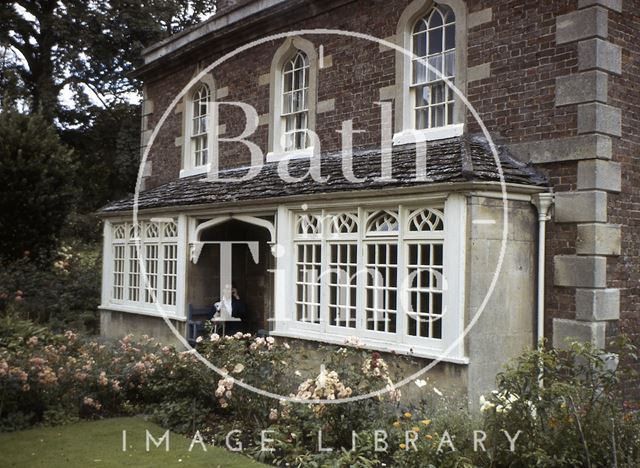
x=295, y=102
x=293, y=91
x=433, y=43
x=200, y=100
x=433, y=75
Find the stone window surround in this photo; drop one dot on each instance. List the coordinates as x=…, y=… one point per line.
x=188, y=167
x=284, y=53
x=404, y=131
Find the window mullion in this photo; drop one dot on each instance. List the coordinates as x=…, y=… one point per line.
x=324, y=275
x=361, y=278
x=400, y=278
x=160, y=283
x=125, y=267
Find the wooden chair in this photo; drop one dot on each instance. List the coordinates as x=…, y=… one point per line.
x=195, y=321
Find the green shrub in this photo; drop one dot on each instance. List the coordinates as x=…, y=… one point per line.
x=576, y=417
x=63, y=295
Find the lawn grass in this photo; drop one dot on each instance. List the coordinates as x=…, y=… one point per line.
x=99, y=443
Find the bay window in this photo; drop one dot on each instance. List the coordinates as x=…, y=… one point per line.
x=383, y=275
x=152, y=246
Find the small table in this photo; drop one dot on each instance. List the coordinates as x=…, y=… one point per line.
x=223, y=321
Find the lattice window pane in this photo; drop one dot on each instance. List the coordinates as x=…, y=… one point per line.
x=152, y=231
x=135, y=231
x=426, y=220
x=308, y=270
x=425, y=274
x=200, y=125
x=151, y=267
x=383, y=222
x=343, y=266
x=133, y=289
x=344, y=223
x=171, y=230
x=170, y=274
x=433, y=44
x=308, y=225
x=119, y=232
x=381, y=287
x=118, y=271
x=295, y=105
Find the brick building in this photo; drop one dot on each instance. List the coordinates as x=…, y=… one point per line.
x=414, y=221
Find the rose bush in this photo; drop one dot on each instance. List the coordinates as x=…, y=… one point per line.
x=580, y=416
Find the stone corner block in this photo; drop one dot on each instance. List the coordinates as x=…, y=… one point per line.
x=565, y=331
x=478, y=72
x=582, y=24
x=599, y=239
x=263, y=119
x=580, y=272
x=147, y=107
x=615, y=5
x=384, y=48
x=599, y=54
x=581, y=207
x=479, y=17
x=596, y=174
x=222, y=93
x=593, y=305
x=264, y=79
x=326, y=62
x=148, y=168
x=145, y=136
x=326, y=106
x=596, y=117
x=564, y=149
x=581, y=87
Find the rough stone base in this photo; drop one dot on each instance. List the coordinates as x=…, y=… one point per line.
x=116, y=325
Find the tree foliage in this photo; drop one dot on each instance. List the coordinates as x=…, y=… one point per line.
x=37, y=176
x=107, y=153
x=87, y=47
x=68, y=61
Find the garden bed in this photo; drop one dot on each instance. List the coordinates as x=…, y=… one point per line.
x=580, y=417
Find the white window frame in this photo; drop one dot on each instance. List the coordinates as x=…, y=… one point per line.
x=291, y=71
x=405, y=130
x=287, y=51
x=453, y=298
x=146, y=300
x=189, y=167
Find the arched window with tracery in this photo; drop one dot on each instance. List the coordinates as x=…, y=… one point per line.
x=433, y=43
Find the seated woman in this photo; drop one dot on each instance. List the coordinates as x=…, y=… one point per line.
x=231, y=305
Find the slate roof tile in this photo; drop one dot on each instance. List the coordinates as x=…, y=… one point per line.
x=461, y=159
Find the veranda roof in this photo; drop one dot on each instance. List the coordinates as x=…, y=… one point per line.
x=452, y=161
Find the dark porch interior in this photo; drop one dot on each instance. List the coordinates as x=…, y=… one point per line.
x=253, y=281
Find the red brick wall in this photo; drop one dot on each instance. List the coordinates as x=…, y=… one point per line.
x=624, y=208
x=516, y=102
